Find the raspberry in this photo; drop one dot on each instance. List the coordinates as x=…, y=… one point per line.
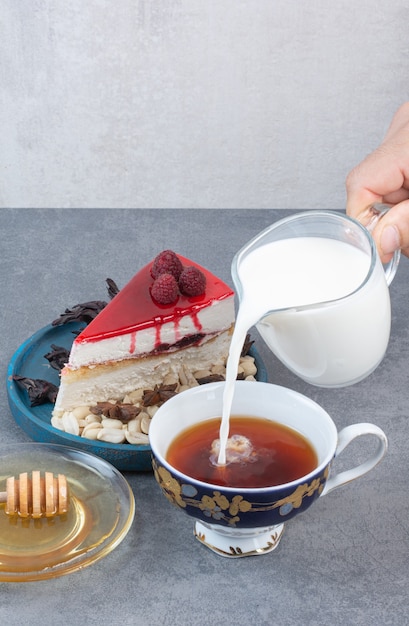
x=165, y=289
x=167, y=262
x=192, y=282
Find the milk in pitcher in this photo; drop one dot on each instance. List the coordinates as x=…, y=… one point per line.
x=319, y=308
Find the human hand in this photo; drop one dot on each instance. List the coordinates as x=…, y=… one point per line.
x=383, y=177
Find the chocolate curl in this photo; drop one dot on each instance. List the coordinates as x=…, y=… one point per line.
x=84, y=312
x=39, y=391
x=58, y=357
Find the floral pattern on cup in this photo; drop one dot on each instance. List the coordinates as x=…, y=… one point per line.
x=217, y=507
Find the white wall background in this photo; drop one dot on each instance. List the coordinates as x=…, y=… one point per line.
x=194, y=103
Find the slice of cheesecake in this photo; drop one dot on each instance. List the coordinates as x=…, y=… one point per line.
x=163, y=320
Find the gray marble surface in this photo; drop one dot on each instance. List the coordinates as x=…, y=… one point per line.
x=344, y=561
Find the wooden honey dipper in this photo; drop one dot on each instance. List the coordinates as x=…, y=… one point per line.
x=36, y=496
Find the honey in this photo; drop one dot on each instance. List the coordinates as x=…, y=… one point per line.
x=99, y=513
x=45, y=542
x=37, y=548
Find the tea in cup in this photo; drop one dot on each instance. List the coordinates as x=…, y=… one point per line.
x=240, y=508
x=315, y=287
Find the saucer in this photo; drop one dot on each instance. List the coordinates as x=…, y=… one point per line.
x=100, y=512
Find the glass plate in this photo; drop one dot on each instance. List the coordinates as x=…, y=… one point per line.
x=101, y=509
x=29, y=361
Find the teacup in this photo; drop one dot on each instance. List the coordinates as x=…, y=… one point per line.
x=237, y=522
x=314, y=285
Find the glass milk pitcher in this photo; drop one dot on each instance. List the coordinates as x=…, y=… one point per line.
x=314, y=286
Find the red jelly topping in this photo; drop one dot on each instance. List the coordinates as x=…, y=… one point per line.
x=133, y=308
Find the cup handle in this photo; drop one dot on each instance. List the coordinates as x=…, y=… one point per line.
x=376, y=213
x=345, y=436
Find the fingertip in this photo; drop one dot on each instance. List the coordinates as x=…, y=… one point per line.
x=392, y=231
x=389, y=240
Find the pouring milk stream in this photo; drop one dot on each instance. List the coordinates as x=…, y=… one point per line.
x=319, y=298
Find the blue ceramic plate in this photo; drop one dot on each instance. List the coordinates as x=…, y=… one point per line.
x=29, y=361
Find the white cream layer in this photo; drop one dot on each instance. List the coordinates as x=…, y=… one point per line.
x=217, y=317
x=101, y=383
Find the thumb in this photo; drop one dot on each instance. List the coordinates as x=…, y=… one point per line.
x=392, y=232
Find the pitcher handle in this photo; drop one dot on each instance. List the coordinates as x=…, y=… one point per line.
x=345, y=436
x=376, y=213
